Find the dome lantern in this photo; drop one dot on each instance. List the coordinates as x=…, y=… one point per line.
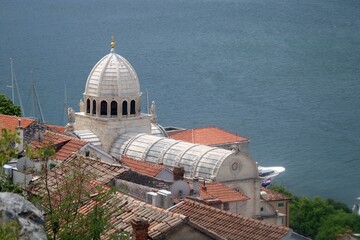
x=112, y=88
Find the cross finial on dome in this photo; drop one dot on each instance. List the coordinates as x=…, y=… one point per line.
x=113, y=43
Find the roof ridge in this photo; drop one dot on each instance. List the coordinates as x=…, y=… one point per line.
x=229, y=213
x=64, y=135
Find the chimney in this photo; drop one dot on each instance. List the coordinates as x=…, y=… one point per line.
x=20, y=132
x=203, y=187
x=178, y=173
x=196, y=186
x=140, y=228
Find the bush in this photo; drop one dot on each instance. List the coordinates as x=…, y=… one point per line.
x=318, y=218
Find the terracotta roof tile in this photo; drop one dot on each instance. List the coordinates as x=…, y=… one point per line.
x=272, y=195
x=221, y=192
x=145, y=168
x=100, y=171
x=160, y=221
x=228, y=225
x=208, y=136
x=65, y=145
x=11, y=122
x=59, y=129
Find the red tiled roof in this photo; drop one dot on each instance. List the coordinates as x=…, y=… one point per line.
x=124, y=209
x=229, y=225
x=11, y=122
x=221, y=192
x=59, y=129
x=272, y=195
x=65, y=145
x=101, y=172
x=208, y=136
x=142, y=167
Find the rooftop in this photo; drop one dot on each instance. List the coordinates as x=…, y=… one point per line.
x=11, y=122
x=99, y=171
x=272, y=195
x=229, y=225
x=65, y=145
x=59, y=129
x=125, y=209
x=142, y=167
x=208, y=136
x=219, y=191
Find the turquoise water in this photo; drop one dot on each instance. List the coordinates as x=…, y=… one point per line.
x=283, y=73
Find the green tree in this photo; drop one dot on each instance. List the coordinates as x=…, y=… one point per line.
x=336, y=223
x=338, y=205
x=7, y=107
x=62, y=192
x=306, y=215
x=10, y=230
x=8, y=150
x=318, y=218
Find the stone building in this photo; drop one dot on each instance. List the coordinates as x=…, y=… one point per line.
x=110, y=117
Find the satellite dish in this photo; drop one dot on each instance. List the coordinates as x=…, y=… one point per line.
x=24, y=164
x=180, y=189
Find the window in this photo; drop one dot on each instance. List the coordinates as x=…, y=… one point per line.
x=124, y=108
x=94, y=107
x=88, y=106
x=132, y=107
x=113, y=108
x=261, y=209
x=238, y=189
x=281, y=204
x=226, y=206
x=103, y=108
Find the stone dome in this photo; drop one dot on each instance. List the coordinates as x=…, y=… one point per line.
x=112, y=76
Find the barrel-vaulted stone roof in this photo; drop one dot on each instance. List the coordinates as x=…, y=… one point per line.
x=197, y=160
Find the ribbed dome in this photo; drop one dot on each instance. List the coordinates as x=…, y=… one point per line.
x=112, y=76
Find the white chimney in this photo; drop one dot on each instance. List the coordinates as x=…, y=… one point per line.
x=20, y=132
x=196, y=186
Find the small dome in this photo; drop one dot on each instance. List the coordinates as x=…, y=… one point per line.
x=112, y=76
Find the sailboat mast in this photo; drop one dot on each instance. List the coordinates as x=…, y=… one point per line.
x=12, y=81
x=66, y=105
x=13, y=86
x=147, y=102
x=37, y=102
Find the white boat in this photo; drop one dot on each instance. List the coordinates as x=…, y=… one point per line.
x=356, y=208
x=267, y=173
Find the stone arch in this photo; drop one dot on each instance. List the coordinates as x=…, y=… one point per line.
x=94, y=107
x=88, y=106
x=132, y=107
x=124, y=108
x=103, y=108
x=113, y=107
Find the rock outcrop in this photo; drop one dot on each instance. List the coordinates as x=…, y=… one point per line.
x=16, y=209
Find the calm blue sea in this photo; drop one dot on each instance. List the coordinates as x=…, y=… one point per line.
x=284, y=73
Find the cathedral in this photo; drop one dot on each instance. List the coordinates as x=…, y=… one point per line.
x=110, y=117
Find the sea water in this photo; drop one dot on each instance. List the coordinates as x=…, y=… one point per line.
x=285, y=74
